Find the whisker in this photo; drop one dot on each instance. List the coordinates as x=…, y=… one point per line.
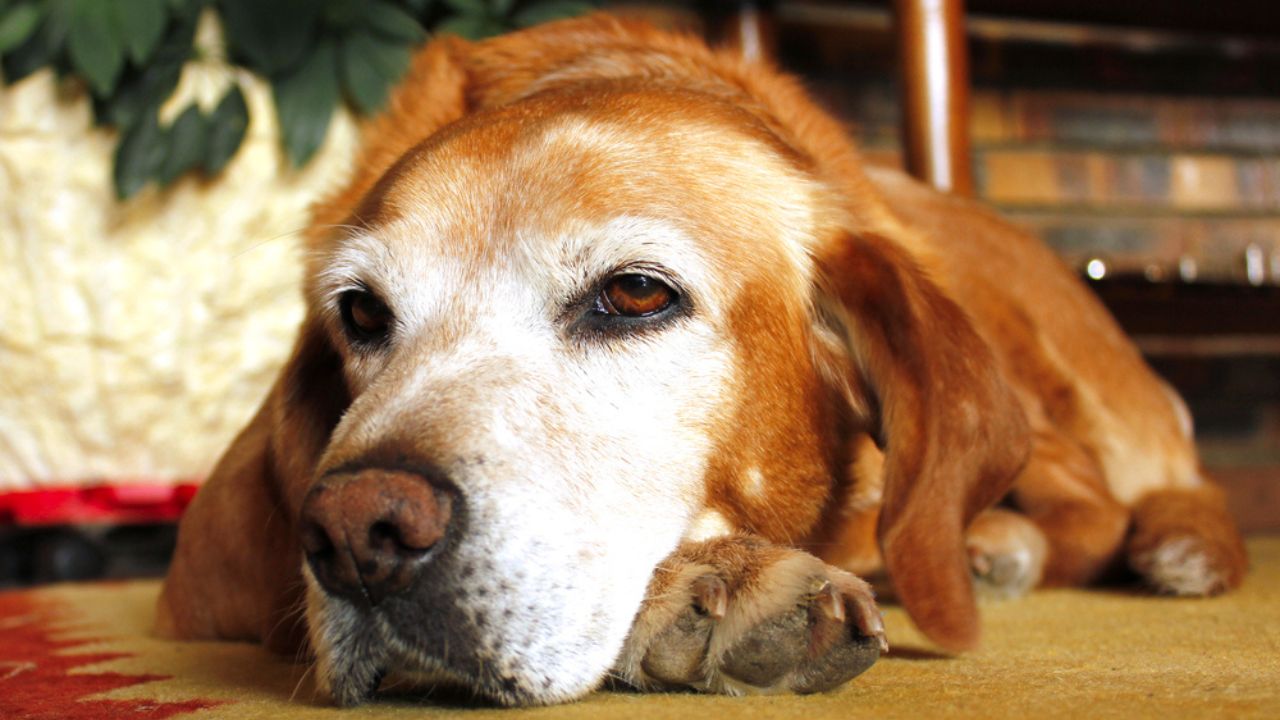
x=310, y=668
x=265, y=241
x=298, y=231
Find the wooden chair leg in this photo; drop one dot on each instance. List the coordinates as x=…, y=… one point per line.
x=935, y=89
x=747, y=25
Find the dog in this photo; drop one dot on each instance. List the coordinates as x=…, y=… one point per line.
x=619, y=363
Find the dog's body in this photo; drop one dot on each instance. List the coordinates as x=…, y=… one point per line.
x=598, y=300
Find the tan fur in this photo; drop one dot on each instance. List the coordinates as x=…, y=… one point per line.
x=876, y=363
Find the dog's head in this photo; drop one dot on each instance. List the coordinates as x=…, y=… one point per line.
x=557, y=324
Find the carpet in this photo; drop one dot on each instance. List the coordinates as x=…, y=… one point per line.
x=83, y=651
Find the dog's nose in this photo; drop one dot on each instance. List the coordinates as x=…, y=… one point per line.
x=367, y=533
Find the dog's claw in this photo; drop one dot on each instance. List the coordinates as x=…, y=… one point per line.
x=867, y=616
x=711, y=596
x=830, y=602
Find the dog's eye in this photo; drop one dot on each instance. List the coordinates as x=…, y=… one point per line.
x=633, y=295
x=367, y=319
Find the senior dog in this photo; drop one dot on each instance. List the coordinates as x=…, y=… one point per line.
x=617, y=360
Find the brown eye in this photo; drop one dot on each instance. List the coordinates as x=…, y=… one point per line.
x=367, y=319
x=635, y=295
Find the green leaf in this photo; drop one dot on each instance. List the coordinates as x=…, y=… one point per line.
x=471, y=28
x=187, y=136
x=143, y=89
x=551, y=10
x=139, y=154
x=94, y=46
x=41, y=47
x=392, y=23
x=343, y=15
x=418, y=8
x=177, y=44
x=469, y=8
x=305, y=100
x=17, y=25
x=501, y=8
x=139, y=92
x=270, y=36
x=227, y=126
x=140, y=24
x=370, y=67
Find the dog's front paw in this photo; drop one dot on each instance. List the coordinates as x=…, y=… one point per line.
x=738, y=615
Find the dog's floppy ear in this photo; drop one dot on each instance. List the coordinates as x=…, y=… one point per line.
x=236, y=571
x=952, y=431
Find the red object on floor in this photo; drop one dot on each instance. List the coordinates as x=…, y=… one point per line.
x=39, y=680
x=115, y=504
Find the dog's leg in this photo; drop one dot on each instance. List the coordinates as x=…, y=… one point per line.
x=1063, y=492
x=739, y=615
x=1184, y=542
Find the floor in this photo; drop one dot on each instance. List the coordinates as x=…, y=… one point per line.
x=84, y=651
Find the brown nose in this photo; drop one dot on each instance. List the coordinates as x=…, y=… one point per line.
x=366, y=534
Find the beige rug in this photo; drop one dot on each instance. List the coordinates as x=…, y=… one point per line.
x=82, y=651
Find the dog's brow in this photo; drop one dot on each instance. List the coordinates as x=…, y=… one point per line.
x=589, y=254
x=347, y=264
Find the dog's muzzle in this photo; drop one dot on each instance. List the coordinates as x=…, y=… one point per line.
x=514, y=596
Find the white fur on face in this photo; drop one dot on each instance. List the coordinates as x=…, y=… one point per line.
x=579, y=458
x=579, y=455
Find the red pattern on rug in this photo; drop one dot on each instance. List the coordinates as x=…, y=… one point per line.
x=36, y=682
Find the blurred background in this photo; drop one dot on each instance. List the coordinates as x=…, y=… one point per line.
x=157, y=158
